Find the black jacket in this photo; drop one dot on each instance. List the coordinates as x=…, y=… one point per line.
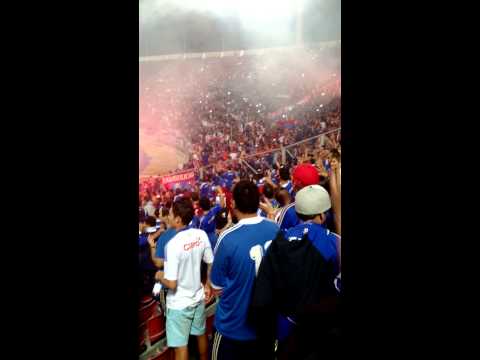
x=293, y=277
x=295, y=280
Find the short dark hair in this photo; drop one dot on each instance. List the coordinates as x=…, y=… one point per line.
x=284, y=173
x=165, y=211
x=157, y=212
x=195, y=196
x=268, y=191
x=282, y=196
x=151, y=221
x=204, y=203
x=246, y=196
x=183, y=208
x=335, y=154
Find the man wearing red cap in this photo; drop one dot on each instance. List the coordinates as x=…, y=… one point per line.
x=303, y=175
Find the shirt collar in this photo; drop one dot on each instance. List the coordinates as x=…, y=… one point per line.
x=251, y=221
x=180, y=230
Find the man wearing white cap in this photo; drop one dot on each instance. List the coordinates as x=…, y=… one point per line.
x=311, y=205
x=296, y=279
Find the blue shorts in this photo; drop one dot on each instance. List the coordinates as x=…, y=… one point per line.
x=182, y=323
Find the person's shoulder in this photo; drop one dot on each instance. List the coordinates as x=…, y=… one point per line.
x=290, y=207
x=168, y=234
x=296, y=231
x=320, y=230
x=172, y=241
x=331, y=235
x=324, y=240
x=231, y=234
x=269, y=224
x=194, y=232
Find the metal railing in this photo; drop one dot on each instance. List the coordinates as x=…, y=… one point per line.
x=221, y=54
x=261, y=153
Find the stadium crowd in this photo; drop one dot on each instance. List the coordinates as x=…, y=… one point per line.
x=260, y=236
x=223, y=108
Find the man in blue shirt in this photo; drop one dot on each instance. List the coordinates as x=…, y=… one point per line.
x=195, y=223
x=238, y=253
x=311, y=209
x=303, y=175
x=205, y=189
x=207, y=221
x=285, y=182
x=147, y=267
x=159, y=240
x=229, y=176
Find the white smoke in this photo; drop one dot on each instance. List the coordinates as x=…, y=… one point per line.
x=253, y=13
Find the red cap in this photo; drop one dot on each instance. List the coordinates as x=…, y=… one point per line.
x=304, y=175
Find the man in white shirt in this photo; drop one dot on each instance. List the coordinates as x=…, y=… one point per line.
x=184, y=254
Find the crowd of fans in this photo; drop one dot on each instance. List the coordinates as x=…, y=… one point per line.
x=260, y=236
x=226, y=108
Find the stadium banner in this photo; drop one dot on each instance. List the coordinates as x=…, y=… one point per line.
x=187, y=176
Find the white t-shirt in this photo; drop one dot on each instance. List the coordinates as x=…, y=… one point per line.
x=183, y=256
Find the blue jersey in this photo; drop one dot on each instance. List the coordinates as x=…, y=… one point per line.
x=195, y=223
x=229, y=176
x=212, y=237
x=142, y=239
x=205, y=189
x=325, y=241
x=289, y=187
x=163, y=241
x=218, y=181
x=238, y=254
x=326, y=165
x=207, y=221
x=275, y=179
x=205, y=158
x=144, y=253
x=287, y=218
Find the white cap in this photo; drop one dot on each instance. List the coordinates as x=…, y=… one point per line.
x=312, y=200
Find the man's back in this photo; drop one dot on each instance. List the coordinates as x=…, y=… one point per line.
x=183, y=256
x=238, y=254
x=325, y=241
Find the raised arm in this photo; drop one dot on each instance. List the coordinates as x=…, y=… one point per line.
x=336, y=196
x=153, y=249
